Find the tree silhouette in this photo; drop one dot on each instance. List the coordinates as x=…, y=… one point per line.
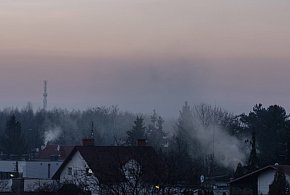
x=137, y=131
x=271, y=126
x=280, y=185
x=155, y=133
x=182, y=138
x=253, y=159
x=13, y=141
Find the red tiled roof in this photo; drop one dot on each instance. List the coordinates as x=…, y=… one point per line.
x=54, y=150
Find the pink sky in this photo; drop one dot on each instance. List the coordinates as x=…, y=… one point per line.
x=145, y=54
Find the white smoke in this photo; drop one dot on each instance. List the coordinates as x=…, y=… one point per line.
x=51, y=135
x=228, y=150
x=204, y=125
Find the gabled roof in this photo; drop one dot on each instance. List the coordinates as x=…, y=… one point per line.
x=54, y=150
x=106, y=161
x=285, y=168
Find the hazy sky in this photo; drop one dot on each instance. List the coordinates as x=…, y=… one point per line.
x=145, y=54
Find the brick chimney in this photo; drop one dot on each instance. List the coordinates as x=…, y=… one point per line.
x=141, y=142
x=88, y=142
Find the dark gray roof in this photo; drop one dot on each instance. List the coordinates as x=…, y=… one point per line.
x=106, y=162
x=285, y=168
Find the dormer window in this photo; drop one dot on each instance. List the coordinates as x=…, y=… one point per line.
x=132, y=169
x=131, y=172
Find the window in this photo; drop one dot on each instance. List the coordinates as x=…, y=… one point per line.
x=75, y=172
x=48, y=170
x=132, y=169
x=131, y=173
x=69, y=171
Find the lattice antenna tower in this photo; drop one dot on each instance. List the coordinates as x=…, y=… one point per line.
x=44, y=95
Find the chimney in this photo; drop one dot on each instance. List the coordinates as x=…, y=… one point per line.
x=88, y=142
x=141, y=142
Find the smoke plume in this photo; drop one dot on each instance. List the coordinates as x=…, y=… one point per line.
x=51, y=135
x=228, y=150
x=206, y=128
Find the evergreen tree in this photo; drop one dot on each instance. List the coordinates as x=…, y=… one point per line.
x=288, y=150
x=30, y=127
x=253, y=159
x=155, y=133
x=137, y=131
x=13, y=140
x=271, y=126
x=239, y=171
x=280, y=185
x=183, y=138
x=154, y=118
x=183, y=149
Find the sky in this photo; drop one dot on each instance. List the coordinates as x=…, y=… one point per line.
x=145, y=54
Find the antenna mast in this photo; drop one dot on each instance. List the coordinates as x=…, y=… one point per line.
x=44, y=95
x=92, y=130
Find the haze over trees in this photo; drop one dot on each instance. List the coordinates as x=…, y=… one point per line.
x=204, y=140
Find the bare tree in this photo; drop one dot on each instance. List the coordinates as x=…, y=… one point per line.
x=4, y=185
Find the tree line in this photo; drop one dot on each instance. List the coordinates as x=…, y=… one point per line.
x=193, y=147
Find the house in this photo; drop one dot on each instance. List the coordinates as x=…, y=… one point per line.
x=35, y=173
x=42, y=164
x=112, y=169
x=28, y=169
x=257, y=182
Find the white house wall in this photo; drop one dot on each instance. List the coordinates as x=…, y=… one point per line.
x=10, y=166
x=31, y=169
x=40, y=169
x=77, y=163
x=264, y=180
x=78, y=166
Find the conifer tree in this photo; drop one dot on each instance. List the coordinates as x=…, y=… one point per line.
x=185, y=127
x=253, y=160
x=155, y=132
x=13, y=140
x=137, y=131
x=280, y=185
